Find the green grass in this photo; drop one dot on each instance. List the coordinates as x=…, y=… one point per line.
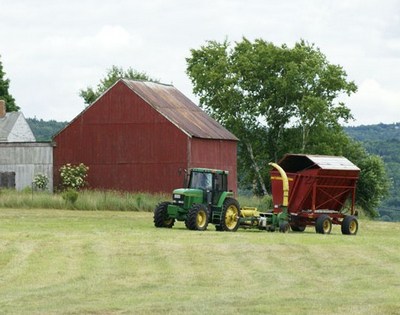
x=87, y=200
x=112, y=262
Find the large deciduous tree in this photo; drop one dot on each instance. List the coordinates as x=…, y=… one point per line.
x=278, y=100
x=89, y=94
x=288, y=96
x=4, y=94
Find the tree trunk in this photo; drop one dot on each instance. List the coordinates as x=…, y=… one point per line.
x=304, y=137
x=256, y=168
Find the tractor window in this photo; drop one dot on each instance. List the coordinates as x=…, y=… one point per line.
x=220, y=182
x=200, y=181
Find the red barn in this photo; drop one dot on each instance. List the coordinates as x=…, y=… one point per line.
x=141, y=136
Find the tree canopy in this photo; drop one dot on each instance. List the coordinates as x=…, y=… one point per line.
x=4, y=94
x=276, y=99
x=89, y=94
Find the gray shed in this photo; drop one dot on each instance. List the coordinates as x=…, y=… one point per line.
x=21, y=157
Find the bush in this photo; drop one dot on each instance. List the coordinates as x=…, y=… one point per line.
x=73, y=176
x=70, y=195
x=41, y=181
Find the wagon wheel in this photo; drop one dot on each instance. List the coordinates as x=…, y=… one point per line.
x=349, y=225
x=284, y=227
x=230, y=215
x=161, y=218
x=197, y=218
x=298, y=228
x=323, y=225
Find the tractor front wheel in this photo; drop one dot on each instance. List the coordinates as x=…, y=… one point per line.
x=323, y=225
x=349, y=225
x=197, y=218
x=230, y=215
x=161, y=218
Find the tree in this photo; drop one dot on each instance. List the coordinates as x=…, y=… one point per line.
x=4, y=94
x=277, y=100
x=113, y=75
x=285, y=96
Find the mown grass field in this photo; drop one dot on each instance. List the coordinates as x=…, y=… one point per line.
x=113, y=262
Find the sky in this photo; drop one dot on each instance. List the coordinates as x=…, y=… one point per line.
x=52, y=49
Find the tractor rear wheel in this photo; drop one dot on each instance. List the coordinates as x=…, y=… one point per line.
x=197, y=218
x=230, y=215
x=323, y=225
x=349, y=225
x=161, y=218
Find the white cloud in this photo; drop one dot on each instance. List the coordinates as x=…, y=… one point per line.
x=52, y=49
x=374, y=104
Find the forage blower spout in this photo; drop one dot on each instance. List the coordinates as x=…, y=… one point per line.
x=285, y=183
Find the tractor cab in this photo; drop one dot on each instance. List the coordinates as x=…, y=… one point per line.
x=211, y=182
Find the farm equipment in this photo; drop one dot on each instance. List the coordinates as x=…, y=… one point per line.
x=206, y=199
x=307, y=190
x=321, y=192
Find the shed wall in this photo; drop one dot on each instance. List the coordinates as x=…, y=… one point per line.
x=27, y=160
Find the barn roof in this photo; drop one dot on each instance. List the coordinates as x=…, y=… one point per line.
x=179, y=110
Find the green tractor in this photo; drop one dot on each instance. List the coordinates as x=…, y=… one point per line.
x=205, y=200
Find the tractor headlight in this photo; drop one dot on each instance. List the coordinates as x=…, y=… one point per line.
x=178, y=199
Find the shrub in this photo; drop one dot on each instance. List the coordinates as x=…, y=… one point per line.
x=73, y=176
x=41, y=181
x=70, y=195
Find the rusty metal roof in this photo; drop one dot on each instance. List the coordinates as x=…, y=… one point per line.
x=179, y=110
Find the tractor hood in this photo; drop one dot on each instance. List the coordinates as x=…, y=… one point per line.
x=188, y=192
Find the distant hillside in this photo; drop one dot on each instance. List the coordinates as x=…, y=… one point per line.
x=374, y=132
x=45, y=130
x=384, y=140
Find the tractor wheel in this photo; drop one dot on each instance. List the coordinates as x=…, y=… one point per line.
x=161, y=216
x=298, y=228
x=323, y=225
x=349, y=225
x=230, y=215
x=284, y=227
x=197, y=218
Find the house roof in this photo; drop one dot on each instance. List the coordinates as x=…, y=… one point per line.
x=6, y=124
x=179, y=110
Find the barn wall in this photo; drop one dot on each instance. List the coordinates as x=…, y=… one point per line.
x=126, y=144
x=27, y=160
x=218, y=154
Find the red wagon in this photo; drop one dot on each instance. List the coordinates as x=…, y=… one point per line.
x=321, y=192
